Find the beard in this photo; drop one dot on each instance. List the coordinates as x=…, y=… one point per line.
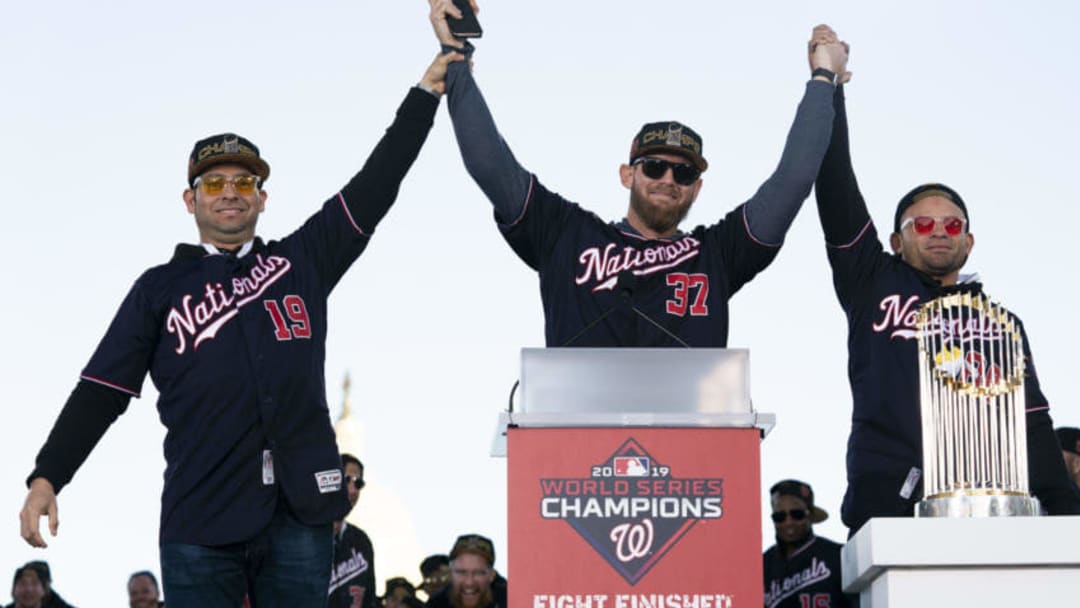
x=457, y=601
x=662, y=220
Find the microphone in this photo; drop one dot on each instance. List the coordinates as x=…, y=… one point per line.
x=625, y=283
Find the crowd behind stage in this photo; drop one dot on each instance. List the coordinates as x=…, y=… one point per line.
x=33, y=587
x=466, y=576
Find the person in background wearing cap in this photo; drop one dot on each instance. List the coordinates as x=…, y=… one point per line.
x=1069, y=438
x=473, y=580
x=641, y=281
x=801, y=569
x=232, y=331
x=434, y=574
x=881, y=292
x=352, y=579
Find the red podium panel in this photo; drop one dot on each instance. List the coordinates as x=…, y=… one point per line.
x=634, y=517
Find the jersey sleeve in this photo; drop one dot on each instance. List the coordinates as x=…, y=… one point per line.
x=534, y=235
x=115, y=373
x=742, y=255
x=123, y=357
x=338, y=233
x=855, y=253
x=487, y=156
x=772, y=209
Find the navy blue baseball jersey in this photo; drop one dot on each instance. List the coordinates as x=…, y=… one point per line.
x=235, y=345
x=603, y=284
x=881, y=295
x=808, y=578
x=590, y=268
x=352, y=577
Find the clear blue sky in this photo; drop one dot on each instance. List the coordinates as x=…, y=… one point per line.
x=102, y=102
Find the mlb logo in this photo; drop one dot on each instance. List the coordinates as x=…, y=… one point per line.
x=631, y=466
x=328, y=481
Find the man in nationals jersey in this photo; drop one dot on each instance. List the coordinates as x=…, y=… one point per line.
x=881, y=293
x=802, y=570
x=641, y=281
x=233, y=334
x=352, y=578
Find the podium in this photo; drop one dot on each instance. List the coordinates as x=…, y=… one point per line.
x=990, y=562
x=634, y=479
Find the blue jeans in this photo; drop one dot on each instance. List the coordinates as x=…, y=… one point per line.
x=287, y=564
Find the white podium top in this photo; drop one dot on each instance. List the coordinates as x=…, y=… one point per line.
x=633, y=387
x=635, y=380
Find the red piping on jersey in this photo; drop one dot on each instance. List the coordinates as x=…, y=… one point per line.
x=111, y=385
x=857, y=238
x=349, y=215
x=528, y=199
x=749, y=233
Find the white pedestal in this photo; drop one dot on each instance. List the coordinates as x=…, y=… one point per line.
x=984, y=562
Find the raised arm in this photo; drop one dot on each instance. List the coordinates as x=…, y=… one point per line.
x=840, y=205
x=773, y=207
x=487, y=157
x=371, y=192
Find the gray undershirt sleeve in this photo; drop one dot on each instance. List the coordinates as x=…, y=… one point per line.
x=487, y=157
x=772, y=209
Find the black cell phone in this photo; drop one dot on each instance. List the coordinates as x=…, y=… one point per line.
x=467, y=26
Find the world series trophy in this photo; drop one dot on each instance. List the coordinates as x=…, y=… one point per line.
x=971, y=380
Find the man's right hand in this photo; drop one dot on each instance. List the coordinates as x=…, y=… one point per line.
x=440, y=11
x=434, y=78
x=827, y=51
x=40, y=500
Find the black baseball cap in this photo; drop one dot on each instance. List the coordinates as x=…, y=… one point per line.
x=920, y=192
x=1069, y=438
x=226, y=149
x=802, y=491
x=669, y=136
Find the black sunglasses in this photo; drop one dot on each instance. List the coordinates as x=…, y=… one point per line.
x=796, y=514
x=357, y=482
x=684, y=174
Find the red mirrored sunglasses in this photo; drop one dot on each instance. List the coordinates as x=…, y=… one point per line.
x=924, y=224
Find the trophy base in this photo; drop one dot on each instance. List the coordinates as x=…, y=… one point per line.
x=978, y=505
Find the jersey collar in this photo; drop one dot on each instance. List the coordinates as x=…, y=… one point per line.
x=624, y=226
x=244, y=249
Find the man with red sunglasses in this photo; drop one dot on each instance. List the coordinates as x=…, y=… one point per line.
x=640, y=281
x=801, y=570
x=881, y=294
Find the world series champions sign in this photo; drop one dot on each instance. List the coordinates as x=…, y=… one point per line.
x=634, y=517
